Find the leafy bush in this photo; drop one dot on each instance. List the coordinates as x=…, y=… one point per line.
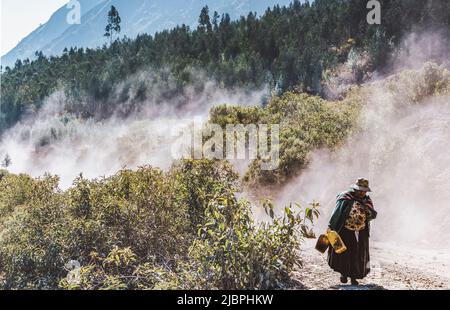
x=141, y=229
x=235, y=253
x=306, y=123
x=412, y=86
x=33, y=233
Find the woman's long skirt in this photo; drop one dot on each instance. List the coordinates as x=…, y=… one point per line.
x=354, y=262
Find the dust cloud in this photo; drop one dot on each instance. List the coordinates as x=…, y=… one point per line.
x=64, y=144
x=403, y=149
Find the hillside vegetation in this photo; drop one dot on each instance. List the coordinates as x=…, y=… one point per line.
x=183, y=228
x=310, y=122
x=288, y=48
x=144, y=229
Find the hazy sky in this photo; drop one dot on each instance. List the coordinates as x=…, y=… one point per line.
x=20, y=17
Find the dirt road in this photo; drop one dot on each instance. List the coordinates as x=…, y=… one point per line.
x=391, y=268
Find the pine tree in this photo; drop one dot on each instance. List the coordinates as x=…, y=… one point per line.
x=204, y=20
x=215, y=22
x=113, y=25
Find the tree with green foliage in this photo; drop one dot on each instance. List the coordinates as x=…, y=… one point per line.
x=113, y=25
x=204, y=21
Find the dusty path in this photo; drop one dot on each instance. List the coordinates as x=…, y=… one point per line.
x=392, y=268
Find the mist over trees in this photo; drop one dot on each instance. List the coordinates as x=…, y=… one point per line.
x=288, y=48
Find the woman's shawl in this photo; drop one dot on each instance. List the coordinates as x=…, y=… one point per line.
x=344, y=203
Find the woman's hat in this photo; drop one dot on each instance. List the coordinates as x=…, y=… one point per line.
x=361, y=185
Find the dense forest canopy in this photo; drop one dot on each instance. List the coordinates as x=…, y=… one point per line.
x=288, y=48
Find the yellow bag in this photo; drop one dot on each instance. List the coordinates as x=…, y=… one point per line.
x=333, y=238
x=336, y=241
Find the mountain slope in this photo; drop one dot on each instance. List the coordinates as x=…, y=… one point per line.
x=44, y=34
x=138, y=16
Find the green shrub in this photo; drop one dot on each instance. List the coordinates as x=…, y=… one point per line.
x=306, y=123
x=33, y=234
x=143, y=229
x=233, y=252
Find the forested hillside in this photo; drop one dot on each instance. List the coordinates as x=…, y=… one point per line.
x=288, y=48
x=138, y=17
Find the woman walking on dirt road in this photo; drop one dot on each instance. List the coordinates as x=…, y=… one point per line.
x=350, y=219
